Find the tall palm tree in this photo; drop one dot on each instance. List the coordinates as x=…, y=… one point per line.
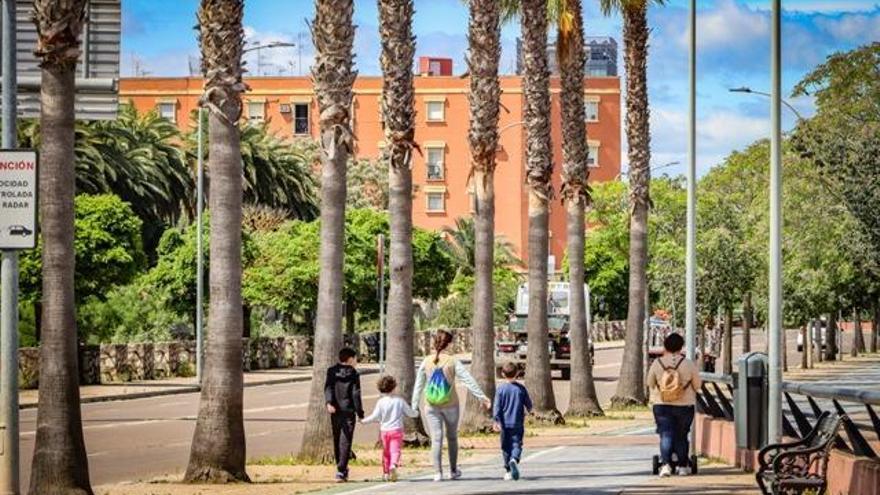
x=333, y=73
x=575, y=195
x=539, y=168
x=60, y=465
x=218, y=446
x=461, y=243
x=630, y=387
x=398, y=109
x=484, y=36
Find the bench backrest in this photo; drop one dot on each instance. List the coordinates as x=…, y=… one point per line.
x=825, y=431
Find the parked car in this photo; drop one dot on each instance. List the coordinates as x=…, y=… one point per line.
x=822, y=335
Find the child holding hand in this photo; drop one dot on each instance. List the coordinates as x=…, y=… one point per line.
x=389, y=413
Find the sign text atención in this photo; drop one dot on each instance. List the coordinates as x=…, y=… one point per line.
x=18, y=199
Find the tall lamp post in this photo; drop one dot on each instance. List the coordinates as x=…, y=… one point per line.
x=774, y=411
x=748, y=90
x=690, y=320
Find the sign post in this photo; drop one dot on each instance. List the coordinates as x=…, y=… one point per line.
x=380, y=268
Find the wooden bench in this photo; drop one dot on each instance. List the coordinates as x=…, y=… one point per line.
x=799, y=467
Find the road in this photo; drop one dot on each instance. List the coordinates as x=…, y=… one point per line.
x=141, y=438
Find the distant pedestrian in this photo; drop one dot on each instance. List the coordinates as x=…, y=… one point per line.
x=512, y=402
x=389, y=412
x=342, y=393
x=673, y=380
x=440, y=372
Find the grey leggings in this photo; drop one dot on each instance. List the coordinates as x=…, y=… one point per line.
x=440, y=418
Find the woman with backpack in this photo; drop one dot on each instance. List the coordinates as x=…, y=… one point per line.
x=436, y=377
x=673, y=381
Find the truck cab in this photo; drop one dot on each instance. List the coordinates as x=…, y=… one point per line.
x=514, y=348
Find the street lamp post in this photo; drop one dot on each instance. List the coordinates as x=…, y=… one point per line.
x=259, y=49
x=774, y=412
x=748, y=90
x=690, y=321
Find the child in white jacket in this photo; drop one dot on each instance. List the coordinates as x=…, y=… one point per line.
x=389, y=412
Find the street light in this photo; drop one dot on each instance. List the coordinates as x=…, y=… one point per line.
x=259, y=49
x=748, y=90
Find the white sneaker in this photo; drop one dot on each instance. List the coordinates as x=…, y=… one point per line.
x=392, y=476
x=665, y=471
x=508, y=477
x=455, y=474
x=384, y=477
x=438, y=476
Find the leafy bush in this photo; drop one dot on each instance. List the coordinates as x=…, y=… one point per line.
x=129, y=313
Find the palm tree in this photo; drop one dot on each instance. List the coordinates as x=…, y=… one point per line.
x=575, y=195
x=630, y=387
x=539, y=167
x=398, y=102
x=333, y=73
x=218, y=447
x=59, y=464
x=461, y=243
x=484, y=36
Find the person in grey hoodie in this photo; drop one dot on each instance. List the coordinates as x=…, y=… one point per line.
x=342, y=393
x=435, y=379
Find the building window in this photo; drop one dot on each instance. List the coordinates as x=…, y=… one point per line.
x=436, y=111
x=301, y=118
x=168, y=110
x=593, y=157
x=434, y=162
x=435, y=201
x=256, y=111
x=591, y=111
x=599, y=72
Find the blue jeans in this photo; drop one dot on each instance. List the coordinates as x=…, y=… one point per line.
x=673, y=425
x=511, y=444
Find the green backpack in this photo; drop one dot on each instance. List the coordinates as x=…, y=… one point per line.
x=438, y=391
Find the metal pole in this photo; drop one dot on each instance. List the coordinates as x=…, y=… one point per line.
x=589, y=318
x=381, y=263
x=774, y=420
x=691, y=260
x=9, y=455
x=200, y=256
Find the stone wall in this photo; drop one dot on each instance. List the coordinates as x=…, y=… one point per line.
x=108, y=363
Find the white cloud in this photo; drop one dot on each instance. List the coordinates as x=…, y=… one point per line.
x=829, y=6
x=852, y=27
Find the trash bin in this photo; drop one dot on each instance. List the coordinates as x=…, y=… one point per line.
x=750, y=401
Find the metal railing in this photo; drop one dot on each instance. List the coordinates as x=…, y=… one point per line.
x=847, y=402
x=715, y=397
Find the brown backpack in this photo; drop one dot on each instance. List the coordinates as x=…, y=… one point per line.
x=670, y=382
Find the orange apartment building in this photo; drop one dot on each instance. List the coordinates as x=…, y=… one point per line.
x=440, y=174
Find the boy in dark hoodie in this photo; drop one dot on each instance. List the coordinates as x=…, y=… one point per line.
x=342, y=393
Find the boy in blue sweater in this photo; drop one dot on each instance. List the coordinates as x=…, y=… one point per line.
x=512, y=402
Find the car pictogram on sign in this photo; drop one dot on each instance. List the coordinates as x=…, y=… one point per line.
x=20, y=230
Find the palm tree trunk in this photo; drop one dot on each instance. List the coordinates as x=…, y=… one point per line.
x=576, y=195
x=218, y=453
x=747, y=323
x=539, y=167
x=60, y=465
x=727, y=343
x=484, y=34
x=398, y=97
x=630, y=387
x=333, y=37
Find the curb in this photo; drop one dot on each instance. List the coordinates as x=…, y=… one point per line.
x=187, y=389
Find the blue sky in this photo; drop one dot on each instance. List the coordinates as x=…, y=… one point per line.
x=733, y=50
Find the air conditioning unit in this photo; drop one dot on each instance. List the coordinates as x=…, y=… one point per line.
x=284, y=108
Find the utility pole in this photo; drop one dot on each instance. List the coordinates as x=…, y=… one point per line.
x=690, y=322
x=200, y=257
x=9, y=454
x=774, y=327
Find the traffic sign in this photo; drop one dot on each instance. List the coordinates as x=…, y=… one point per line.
x=18, y=199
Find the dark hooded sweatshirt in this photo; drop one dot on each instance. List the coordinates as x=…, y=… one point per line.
x=342, y=389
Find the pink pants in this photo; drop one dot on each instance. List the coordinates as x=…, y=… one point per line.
x=392, y=441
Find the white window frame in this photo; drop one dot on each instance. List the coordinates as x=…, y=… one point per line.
x=435, y=192
x=173, y=105
x=293, y=106
x=593, y=154
x=429, y=102
x=436, y=146
x=591, y=102
x=261, y=104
